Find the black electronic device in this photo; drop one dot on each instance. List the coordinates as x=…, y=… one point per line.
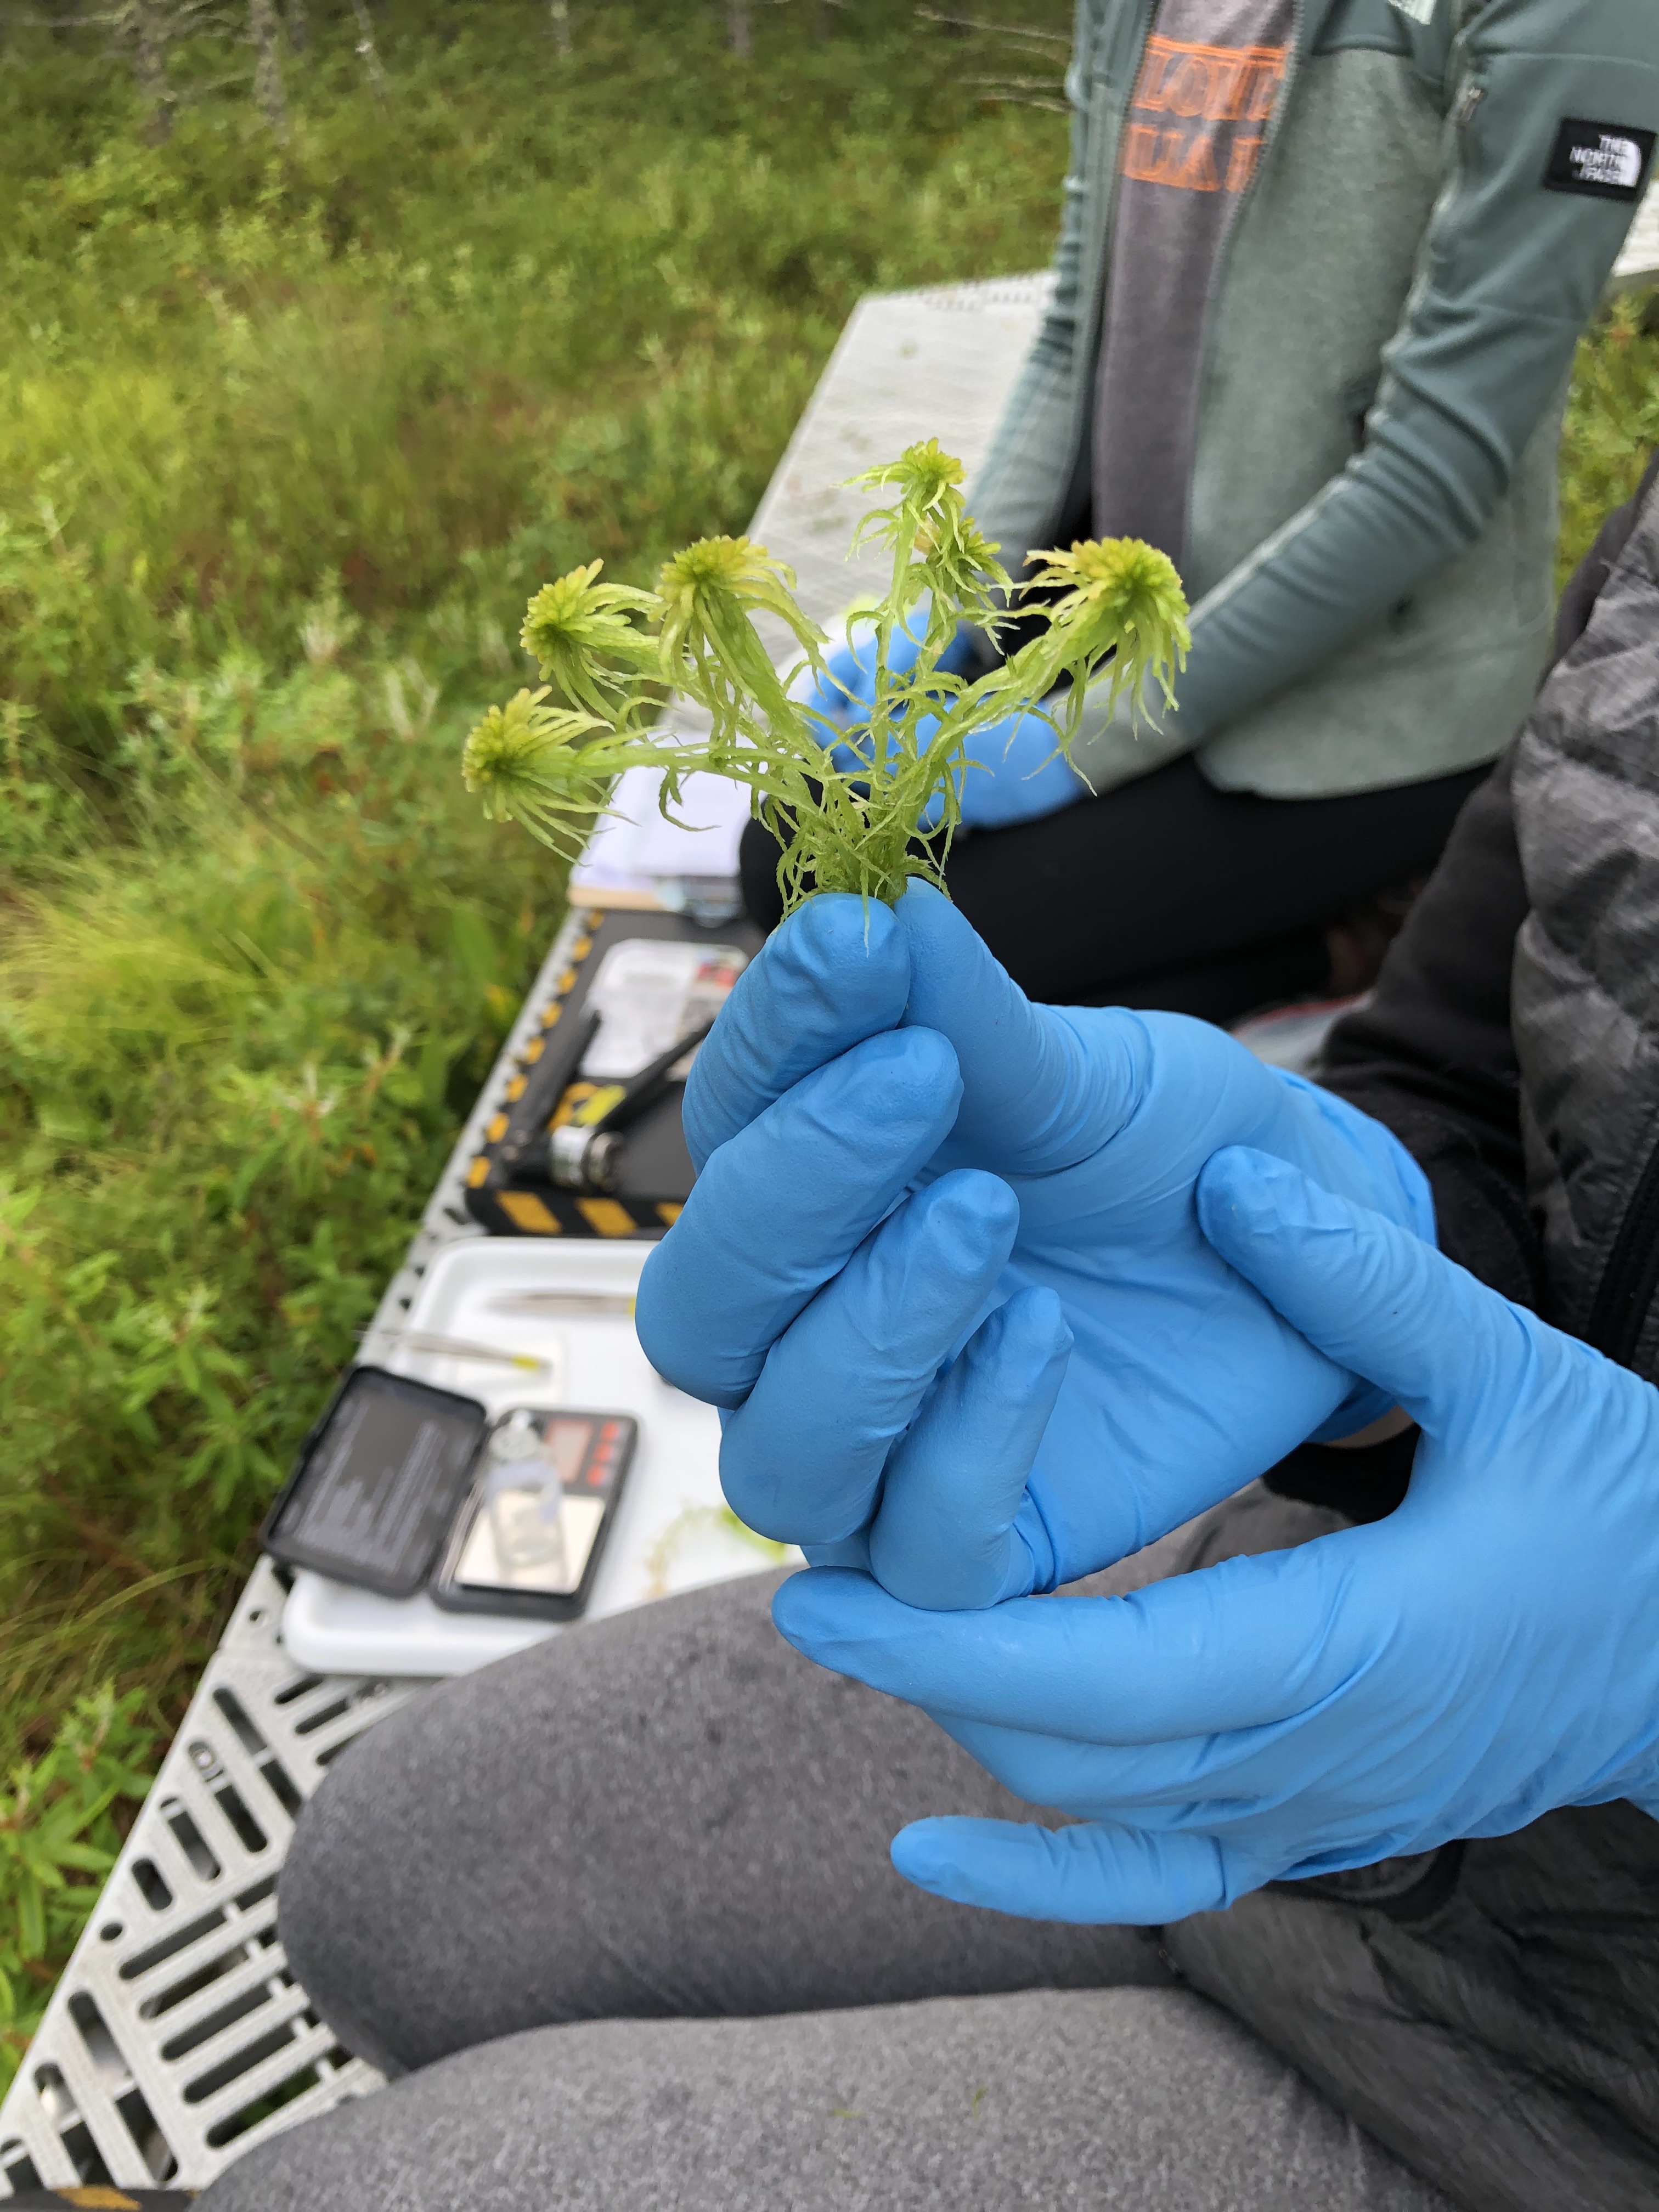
x=530, y=1538
x=585, y=1153
x=402, y=1488
x=531, y=1178
x=378, y=1482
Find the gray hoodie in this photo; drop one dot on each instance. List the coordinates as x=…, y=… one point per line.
x=1386, y=341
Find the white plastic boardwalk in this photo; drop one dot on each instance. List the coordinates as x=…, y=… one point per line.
x=1639, y=263
x=178, y=2036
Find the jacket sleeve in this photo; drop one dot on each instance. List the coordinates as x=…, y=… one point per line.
x=1430, y=1056
x=1508, y=274
x=1429, y=1053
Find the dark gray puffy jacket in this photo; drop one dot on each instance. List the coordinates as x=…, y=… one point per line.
x=1492, y=2010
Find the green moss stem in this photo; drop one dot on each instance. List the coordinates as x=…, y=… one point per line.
x=860, y=813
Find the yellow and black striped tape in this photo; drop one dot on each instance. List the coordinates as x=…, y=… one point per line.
x=507, y=1210
x=102, y=2197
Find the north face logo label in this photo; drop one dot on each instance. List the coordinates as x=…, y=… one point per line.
x=1607, y=161
x=1610, y=161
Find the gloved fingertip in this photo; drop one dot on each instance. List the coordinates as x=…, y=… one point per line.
x=836, y=971
x=970, y=1206
x=906, y=1065
x=851, y=1552
x=922, y=1854
x=1089, y=1874
x=1031, y=1560
x=953, y=976
x=836, y=929
x=921, y=899
x=1245, y=1195
x=1017, y=1357
x=1037, y=1319
x=823, y=1607
x=1002, y=1866
x=1239, y=1185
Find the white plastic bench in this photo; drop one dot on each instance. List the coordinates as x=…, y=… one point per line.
x=176, y=2022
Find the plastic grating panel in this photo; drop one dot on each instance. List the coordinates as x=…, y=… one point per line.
x=177, y=2038
x=1638, y=261
x=1030, y=292
x=446, y=1217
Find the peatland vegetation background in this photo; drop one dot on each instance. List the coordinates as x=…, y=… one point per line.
x=323, y=339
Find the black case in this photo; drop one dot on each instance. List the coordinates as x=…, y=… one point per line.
x=401, y=1561
x=435, y=1518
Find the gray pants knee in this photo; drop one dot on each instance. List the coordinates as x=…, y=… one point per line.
x=626, y=1903
x=666, y=1814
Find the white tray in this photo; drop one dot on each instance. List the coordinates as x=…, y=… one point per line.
x=671, y=1531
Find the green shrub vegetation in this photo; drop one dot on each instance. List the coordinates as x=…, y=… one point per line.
x=1612, y=424
x=59, y=1833
x=288, y=432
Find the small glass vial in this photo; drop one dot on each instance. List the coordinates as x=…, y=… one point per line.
x=527, y=1498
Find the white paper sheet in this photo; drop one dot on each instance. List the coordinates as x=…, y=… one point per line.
x=633, y=847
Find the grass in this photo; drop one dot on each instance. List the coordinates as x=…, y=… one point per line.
x=1612, y=426
x=287, y=435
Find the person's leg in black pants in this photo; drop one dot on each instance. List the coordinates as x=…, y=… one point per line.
x=1167, y=892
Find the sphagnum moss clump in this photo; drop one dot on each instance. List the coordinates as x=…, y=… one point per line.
x=865, y=816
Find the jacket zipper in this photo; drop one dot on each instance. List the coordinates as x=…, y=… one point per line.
x=1100, y=277
x=1631, y=1275
x=1100, y=280
x=1224, y=252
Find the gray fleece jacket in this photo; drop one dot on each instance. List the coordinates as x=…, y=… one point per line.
x=1388, y=340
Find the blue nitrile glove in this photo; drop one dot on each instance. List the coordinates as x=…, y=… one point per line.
x=1016, y=773
x=1485, y=1654
x=847, y=698
x=1019, y=774
x=871, y=1192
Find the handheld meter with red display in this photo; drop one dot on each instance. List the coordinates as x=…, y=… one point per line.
x=529, y=1539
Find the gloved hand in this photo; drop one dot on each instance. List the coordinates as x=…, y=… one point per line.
x=847, y=698
x=1019, y=774
x=894, y=1144
x=1015, y=772
x=1486, y=1653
